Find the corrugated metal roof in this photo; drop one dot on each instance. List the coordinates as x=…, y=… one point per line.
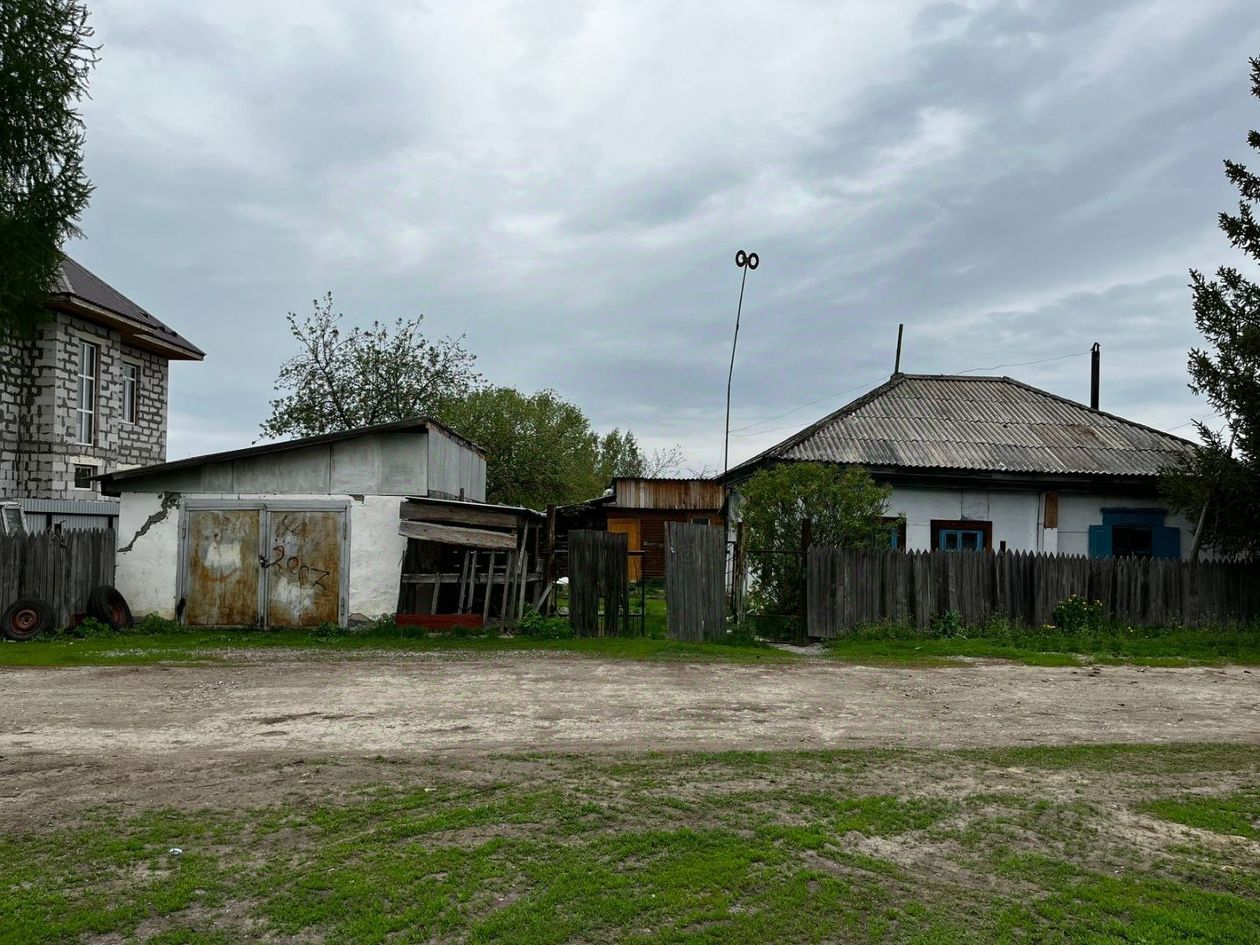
x=990, y=424
x=77, y=283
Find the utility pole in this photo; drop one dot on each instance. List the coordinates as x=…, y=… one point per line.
x=745, y=261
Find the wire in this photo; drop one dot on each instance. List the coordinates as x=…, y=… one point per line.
x=1058, y=357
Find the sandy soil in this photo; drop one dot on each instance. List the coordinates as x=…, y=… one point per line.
x=423, y=703
x=171, y=734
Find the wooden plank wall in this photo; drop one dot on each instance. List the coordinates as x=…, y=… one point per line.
x=60, y=568
x=597, y=570
x=848, y=588
x=695, y=581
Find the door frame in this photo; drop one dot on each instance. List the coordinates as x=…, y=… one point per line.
x=265, y=507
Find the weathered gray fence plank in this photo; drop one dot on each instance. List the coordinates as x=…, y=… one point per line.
x=598, y=570
x=60, y=568
x=695, y=564
x=848, y=588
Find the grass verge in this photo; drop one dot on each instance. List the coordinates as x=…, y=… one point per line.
x=851, y=846
x=225, y=645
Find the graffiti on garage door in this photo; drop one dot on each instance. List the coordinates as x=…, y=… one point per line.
x=264, y=566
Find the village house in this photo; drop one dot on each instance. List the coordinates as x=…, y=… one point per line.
x=990, y=463
x=87, y=395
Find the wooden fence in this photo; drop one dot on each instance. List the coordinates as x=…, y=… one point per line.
x=847, y=588
x=695, y=571
x=597, y=570
x=60, y=568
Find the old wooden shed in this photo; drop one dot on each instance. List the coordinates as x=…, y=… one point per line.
x=640, y=507
x=296, y=533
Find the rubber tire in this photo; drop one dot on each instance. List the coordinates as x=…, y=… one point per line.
x=108, y=606
x=26, y=618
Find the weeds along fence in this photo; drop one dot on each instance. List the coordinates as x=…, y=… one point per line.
x=60, y=568
x=847, y=588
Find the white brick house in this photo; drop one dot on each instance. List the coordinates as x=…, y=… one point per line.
x=87, y=395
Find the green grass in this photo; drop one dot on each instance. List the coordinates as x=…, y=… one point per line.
x=1234, y=814
x=218, y=645
x=1162, y=646
x=847, y=846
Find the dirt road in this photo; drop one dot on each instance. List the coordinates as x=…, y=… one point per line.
x=413, y=703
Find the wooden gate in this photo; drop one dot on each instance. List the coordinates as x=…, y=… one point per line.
x=695, y=581
x=597, y=570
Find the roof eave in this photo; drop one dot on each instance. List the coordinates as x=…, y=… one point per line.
x=176, y=348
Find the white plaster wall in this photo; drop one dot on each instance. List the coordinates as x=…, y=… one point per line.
x=147, y=566
x=1015, y=515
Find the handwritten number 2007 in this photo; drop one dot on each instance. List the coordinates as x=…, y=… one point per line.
x=294, y=565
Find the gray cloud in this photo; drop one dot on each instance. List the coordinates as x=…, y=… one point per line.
x=567, y=188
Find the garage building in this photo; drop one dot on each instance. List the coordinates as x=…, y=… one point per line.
x=290, y=534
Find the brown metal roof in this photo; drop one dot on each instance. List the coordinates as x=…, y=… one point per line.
x=92, y=297
x=990, y=424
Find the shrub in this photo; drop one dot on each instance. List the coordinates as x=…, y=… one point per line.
x=948, y=624
x=1077, y=614
x=537, y=627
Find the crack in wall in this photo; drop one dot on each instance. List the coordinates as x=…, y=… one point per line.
x=169, y=501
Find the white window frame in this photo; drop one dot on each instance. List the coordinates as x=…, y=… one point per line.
x=74, y=470
x=130, y=392
x=88, y=393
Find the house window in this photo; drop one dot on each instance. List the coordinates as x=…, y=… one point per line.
x=1134, y=533
x=962, y=535
x=130, y=389
x=83, y=477
x=896, y=533
x=699, y=520
x=89, y=361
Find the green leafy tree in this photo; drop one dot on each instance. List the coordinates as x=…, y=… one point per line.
x=540, y=449
x=827, y=505
x=619, y=455
x=1220, y=481
x=45, y=60
x=342, y=380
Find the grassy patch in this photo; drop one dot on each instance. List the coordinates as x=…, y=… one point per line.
x=1158, y=646
x=1234, y=814
x=739, y=847
x=217, y=645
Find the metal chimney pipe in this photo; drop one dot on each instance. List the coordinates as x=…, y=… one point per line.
x=1095, y=356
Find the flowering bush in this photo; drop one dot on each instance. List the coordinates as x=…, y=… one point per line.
x=1078, y=614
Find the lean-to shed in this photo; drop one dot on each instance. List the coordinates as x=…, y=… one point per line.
x=296, y=533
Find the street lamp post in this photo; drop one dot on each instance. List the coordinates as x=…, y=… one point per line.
x=745, y=261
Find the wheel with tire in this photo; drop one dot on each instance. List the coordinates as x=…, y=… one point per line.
x=108, y=606
x=26, y=618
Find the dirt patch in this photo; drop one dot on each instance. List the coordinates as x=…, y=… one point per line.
x=277, y=730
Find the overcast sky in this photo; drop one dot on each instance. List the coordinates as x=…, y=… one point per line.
x=566, y=184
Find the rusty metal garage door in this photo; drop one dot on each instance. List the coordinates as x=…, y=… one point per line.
x=223, y=573
x=304, y=568
x=263, y=564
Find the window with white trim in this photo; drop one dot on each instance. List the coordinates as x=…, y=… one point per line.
x=130, y=391
x=89, y=362
x=83, y=476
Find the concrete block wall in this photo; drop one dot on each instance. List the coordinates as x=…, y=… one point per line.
x=38, y=432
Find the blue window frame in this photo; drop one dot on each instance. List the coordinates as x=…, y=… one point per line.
x=962, y=535
x=896, y=533
x=1134, y=533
